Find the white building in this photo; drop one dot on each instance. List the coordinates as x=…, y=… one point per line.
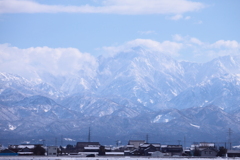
x=52, y=150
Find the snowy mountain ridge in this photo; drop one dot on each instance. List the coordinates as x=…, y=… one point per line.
x=130, y=93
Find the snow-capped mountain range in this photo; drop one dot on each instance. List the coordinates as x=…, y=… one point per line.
x=129, y=95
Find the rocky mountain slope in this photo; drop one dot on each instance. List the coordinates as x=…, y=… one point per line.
x=129, y=95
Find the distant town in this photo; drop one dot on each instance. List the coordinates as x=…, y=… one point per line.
x=137, y=148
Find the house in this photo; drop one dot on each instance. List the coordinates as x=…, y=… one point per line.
x=85, y=146
x=194, y=146
x=206, y=145
x=147, y=149
x=128, y=149
x=52, y=150
x=208, y=152
x=7, y=152
x=202, y=145
x=157, y=146
x=187, y=152
x=115, y=154
x=204, y=149
x=107, y=148
x=136, y=143
x=70, y=149
x=135, y=152
x=132, y=148
x=233, y=153
x=25, y=151
x=173, y=150
x=88, y=147
x=143, y=149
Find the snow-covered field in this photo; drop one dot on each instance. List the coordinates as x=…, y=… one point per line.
x=104, y=158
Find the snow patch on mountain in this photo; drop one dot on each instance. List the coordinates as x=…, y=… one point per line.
x=11, y=127
x=195, y=125
x=157, y=118
x=130, y=92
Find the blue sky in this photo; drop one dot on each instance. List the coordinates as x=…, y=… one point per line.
x=190, y=30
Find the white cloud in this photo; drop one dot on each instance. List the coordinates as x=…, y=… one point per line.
x=199, y=22
x=187, y=18
x=222, y=48
x=187, y=39
x=147, y=32
x=182, y=48
x=176, y=17
x=64, y=61
x=195, y=41
x=226, y=44
x=194, y=49
x=57, y=61
x=166, y=47
x=177, y=37
x=108, y=6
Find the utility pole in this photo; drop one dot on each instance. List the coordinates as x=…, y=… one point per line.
x=229, y=138
x=147, y=138
x=43, y=142
x=55, y=141
x=61, y=140
x=184, y=139
x=89, y=135
x=179, y=141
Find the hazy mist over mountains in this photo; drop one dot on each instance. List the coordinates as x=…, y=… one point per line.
x=125, y=96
